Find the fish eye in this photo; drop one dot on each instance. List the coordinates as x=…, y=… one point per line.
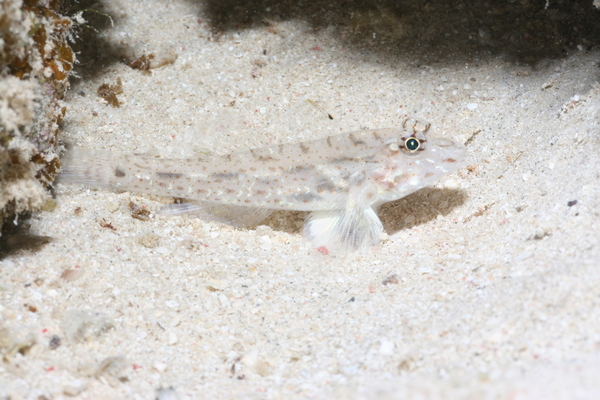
x=412, y=144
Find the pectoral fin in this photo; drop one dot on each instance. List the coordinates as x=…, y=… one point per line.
x=344, y=230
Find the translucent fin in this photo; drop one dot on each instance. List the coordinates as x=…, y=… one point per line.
x=344, y=230
x=307, y=119
x=204, y=139
x=181, y=209
x=88, y=167
x=227, y=214
x=228, y=132
x=219, y=135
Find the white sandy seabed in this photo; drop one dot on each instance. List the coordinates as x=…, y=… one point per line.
x=488, y=286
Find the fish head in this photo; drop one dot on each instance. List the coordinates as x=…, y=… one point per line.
x=413, y=160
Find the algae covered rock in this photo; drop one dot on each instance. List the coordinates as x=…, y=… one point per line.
x=35, y=62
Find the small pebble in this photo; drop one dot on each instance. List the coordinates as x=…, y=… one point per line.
x=160, y=367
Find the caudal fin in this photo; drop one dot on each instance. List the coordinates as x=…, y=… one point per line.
x=95, y=168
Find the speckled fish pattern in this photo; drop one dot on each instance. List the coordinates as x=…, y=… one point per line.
x=341, y=179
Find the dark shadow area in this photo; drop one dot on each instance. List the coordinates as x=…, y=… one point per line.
x=17, y=238
x=427, y=31
x=94, y=53
x=421, y=31
x=284, y=221
x=422, y=207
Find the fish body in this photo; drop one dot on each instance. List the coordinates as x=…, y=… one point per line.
x=341, y=179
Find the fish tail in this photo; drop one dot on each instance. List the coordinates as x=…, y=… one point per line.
x=96, y=168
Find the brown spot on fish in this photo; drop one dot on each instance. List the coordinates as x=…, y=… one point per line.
x=300, y=168
x=304, y=148
x=305, y=197
x=119, y=173
x=355, y=140
x=201, y=191
x=340, y=160
x=450, y=160
x=227, y=157
x=168, y=175
x=328, y=185
x=377, y=136
x=329, y=141
x=359, y=180
x=429, y=174
x=181, y=188
x=143, y=163
x=224, y=175
x=367, y=158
